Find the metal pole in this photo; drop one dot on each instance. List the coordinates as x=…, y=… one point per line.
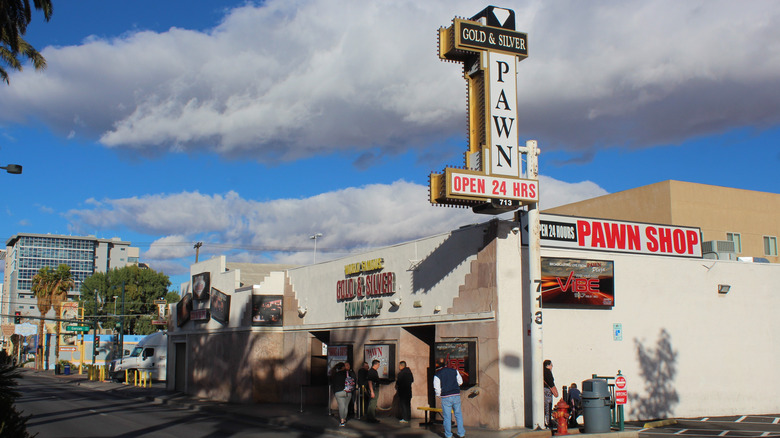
x=122, y=326
x=95, y=328
x=315, y=237
x=534, y=304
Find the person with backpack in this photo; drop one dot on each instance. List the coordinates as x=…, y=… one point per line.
x=350, y=387
x=338, y=384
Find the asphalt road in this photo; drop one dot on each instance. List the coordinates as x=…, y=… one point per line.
x=73, y=411
x=736, y=426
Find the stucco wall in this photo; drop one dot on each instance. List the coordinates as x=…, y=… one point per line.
x=686, y=350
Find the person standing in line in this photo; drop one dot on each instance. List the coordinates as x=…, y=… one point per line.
x=446, y=384
x=351, y=388
x=337, y=384
x=575, y=403
x=362, y=379
x=550, y=391
x=373, y=391
x=403, y=387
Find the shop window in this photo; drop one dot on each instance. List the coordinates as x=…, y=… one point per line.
x=770, y=246
x=737, y=239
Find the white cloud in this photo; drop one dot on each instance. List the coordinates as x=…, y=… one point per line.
x=278, y=230
x=292, y=79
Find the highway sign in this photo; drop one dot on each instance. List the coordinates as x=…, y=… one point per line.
x=77, y=328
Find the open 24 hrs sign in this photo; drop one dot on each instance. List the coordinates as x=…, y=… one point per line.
x=489, y=48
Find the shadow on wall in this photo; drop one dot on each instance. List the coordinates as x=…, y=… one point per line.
x=444, y=259
x=658, y=369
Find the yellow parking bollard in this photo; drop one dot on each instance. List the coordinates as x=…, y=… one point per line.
x=127, y=377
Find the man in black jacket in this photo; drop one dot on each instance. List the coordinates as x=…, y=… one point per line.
x=403, y=387
x=373, y=391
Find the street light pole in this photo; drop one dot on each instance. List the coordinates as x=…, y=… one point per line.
x=122, y=325
x=95, y=327
x=315, y=237
x=15, y=169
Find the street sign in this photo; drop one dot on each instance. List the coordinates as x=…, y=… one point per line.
x=621, y=393
x=77, y=328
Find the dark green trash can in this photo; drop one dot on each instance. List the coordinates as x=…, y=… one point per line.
x=596, y=404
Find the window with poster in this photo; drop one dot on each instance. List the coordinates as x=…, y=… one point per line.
x=339, y=354
x=267, y=310
x=385, y=354
x=461, y=355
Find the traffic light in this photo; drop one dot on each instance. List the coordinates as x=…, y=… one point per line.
x=97, y=341
x=17, y=317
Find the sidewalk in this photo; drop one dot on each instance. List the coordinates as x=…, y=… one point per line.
x=312, y=419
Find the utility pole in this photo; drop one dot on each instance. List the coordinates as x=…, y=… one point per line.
x=197, y=250
x=533, y=304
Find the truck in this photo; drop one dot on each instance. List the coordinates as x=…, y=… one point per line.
x=150, y=354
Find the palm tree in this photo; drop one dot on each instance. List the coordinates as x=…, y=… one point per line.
x=15, y=15
x=63, y=282
x=41, y=287
x=51, y=289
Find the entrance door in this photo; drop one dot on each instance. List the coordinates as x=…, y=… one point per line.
x=180, y=369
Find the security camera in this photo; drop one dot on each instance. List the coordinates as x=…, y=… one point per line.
x=515, y=230
x=302, y=311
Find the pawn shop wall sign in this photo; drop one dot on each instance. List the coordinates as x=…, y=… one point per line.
x=488, y=47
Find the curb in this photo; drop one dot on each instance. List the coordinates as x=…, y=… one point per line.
x=659, y=423
x=534, y=434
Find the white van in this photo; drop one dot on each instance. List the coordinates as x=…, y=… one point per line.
x=150, y=354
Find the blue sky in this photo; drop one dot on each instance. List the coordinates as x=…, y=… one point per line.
x=252, y=125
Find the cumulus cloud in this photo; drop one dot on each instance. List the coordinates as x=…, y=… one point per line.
x=285, y=79
x=278, y=230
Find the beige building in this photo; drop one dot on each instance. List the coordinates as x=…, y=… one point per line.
x=270, y=334
x=750, y=219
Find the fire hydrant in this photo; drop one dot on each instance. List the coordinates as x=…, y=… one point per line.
x=561, y=416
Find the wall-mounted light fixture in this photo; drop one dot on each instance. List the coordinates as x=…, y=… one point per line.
x=302, y=311
x=417, y=304
x=396, y=302
x=724, y=288
x=437, y=309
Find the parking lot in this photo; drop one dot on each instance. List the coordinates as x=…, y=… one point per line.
x=728, y=426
